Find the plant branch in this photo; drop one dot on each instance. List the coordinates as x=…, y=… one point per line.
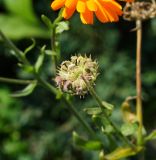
x=138, y=82
x=71, y=107
x=18, y=53
x=16, y=81
x=99, y=101
x=53, y=40
x=44, y=83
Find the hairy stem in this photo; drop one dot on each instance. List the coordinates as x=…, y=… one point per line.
x=138, y=82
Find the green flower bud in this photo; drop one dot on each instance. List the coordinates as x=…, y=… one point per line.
x=71, y=74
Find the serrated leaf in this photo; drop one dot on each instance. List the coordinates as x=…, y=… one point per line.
x=93, y=111
x=122, y=153
x=62, y=26
x=40, y=59
x=128, y=129
x=28, y=49
x=47, y=21
x=86, y=144
x=26, y=91
x=151, y=136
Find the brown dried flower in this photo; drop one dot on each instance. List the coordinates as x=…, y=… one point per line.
x=71, y=73
x=139, y=11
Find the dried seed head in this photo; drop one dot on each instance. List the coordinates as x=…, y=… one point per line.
x=71, y=73
x=139, y=11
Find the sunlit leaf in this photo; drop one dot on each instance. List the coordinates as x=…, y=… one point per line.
x=128, y=129
x=122, y=153
x=128, y=115
x=62, y=26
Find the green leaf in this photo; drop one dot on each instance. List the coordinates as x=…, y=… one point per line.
x=107, y=105
x=93, y=111
x=103, y=124
x=151, y=136
x=47, y=21
x=85, y=144
x=15, y=27
x=107, y=129
x=128, y=129
x=128, y=115
x=23, y=9
x=28, y=49
x=26, y=91
x=50, y=53
x=122, y=153
x=40, y=59
x=62, y=26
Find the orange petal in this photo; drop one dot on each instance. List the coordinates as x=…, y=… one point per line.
x=110, y=12
x=71, y=3
x=101, y=15
x=116, y=7
x=91, y=5
x=81, y=6
x=129, y=0
x=57, y=4
x=68, y=12
x=87, y=17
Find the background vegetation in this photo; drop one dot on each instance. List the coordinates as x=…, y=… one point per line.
x=39, y=127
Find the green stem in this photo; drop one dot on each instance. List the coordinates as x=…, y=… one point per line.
x=44, y=83
x=55, y=55
x=53, y=46
x=77, y=115
x=99, y=101
x=71, y=107
x=18, y=53
x=138, y=82
x=16, y=81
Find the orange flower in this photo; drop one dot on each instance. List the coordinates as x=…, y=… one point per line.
x=129, y=0
x=105, y=10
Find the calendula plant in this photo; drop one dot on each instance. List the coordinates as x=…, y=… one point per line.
x=77, y=77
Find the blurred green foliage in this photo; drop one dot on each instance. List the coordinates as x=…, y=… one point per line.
x=39, y=127
x=20, y=20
